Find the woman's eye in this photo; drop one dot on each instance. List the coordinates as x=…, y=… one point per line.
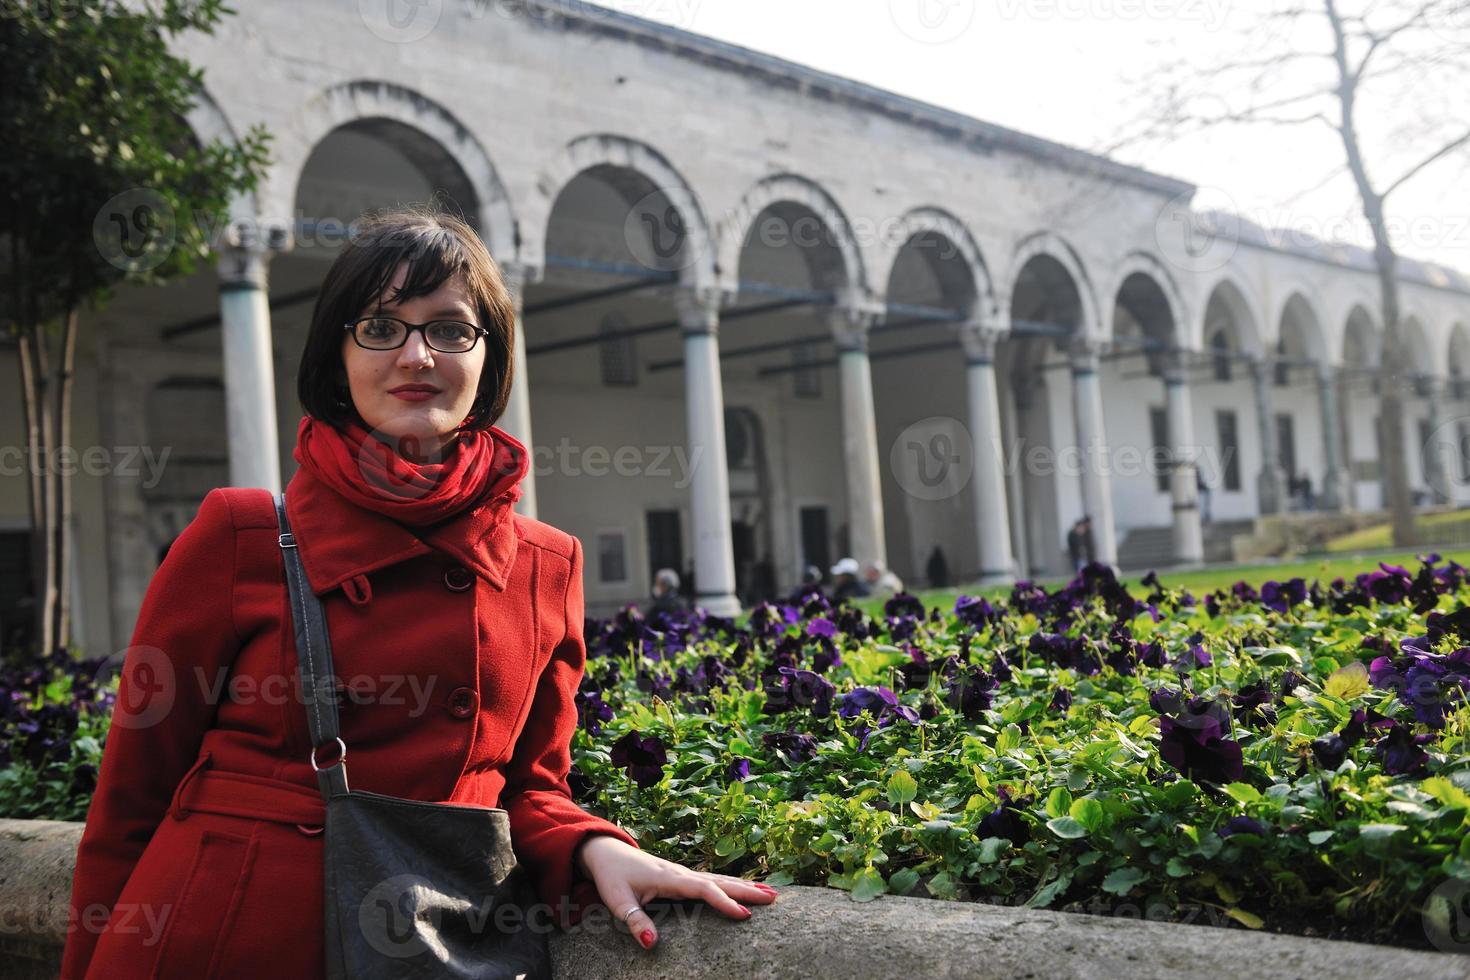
x=450, y=330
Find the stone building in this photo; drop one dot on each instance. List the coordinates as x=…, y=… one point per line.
x=771, y=317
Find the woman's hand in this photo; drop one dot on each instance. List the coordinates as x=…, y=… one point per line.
x=626, y=876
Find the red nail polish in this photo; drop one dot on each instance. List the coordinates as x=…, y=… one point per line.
x=646, y=938
x=743, y=909
x=765, y=888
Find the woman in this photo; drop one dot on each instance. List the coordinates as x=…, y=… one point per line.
x=456, y=629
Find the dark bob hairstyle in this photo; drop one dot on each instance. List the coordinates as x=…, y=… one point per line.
x=436, y=245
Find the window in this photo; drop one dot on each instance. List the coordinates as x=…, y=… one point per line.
x=612, y=555
x=1463, y=431
x=1286, y=445
x=807, y=378
x=665, y=547
x=1281, y=368
x=1159, y=456
x=1425, y=451
x=1220, y=344
x=619, y=356
x=815, y=549
x=1227, y=434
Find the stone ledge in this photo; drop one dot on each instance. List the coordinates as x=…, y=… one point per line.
x=808, y=932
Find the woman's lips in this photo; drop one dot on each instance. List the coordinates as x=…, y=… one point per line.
x=413, y=395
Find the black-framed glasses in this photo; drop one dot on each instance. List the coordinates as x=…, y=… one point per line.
x=390, y=333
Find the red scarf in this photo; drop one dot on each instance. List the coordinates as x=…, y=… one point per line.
x=479, y=467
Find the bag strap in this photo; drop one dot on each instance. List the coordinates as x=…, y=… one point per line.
x=314, y=658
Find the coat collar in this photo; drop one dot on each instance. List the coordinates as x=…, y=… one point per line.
x=338, y=540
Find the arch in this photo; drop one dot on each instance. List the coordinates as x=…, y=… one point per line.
x=1417, y=348
x=636, y=171
x=936, y=222
x=1362, y=339
x=787, y=188
x=1244, y=311
x=1303, y=311
x=1149, y=268
x=210, y=124
x=364, y=100
x=1053, y=247
x=1457, y=361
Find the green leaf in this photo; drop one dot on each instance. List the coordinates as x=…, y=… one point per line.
x=901, y=788
x=1058, y=802
x=991, y=848
x=1243, y=793
x=943, y=885
x=1067, y=827
x=867, y=885
x=902, y=881
x=1446, y=792
x=1320, y=836
x=1178, y=868
x=1248, y=919
x=1089, y=813
x=1379, y=831
x=1122, y=881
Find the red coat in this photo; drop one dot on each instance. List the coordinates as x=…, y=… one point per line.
x=460, y=654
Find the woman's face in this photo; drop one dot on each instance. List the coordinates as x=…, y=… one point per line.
x=420, y=427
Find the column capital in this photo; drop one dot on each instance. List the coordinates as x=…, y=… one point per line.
x=979, y=338
x=850, y=324
x=1174, y=365
x=1084, y=353
x=699, y=308
x=245, y=247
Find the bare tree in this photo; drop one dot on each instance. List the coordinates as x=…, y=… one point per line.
x=1313, y=64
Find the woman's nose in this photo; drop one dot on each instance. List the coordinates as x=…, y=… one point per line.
x=415, y=349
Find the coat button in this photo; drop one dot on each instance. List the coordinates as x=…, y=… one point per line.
x=458, y=579
x=463, y=702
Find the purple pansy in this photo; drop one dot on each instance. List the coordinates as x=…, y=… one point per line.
x=642, y=758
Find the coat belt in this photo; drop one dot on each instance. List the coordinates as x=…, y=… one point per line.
x=238, y=794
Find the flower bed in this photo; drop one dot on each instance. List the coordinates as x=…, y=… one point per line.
x=1295, y=759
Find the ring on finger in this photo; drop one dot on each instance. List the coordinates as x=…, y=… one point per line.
x=629, y=911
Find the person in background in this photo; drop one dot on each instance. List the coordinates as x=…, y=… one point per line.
x=937, y=569
x=665, y=594
x=882, y=583
x=845, y=581
x=1074, y=545
x=1204, y=496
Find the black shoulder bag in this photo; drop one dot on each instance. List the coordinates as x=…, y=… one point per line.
x=413, y=889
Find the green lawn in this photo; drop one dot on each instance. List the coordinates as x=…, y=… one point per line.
x=1208, y=579
x=1453, y=526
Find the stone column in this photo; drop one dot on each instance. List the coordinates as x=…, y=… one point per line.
x=1020, y=544
x=992, y=523
x=1270, y=484
x=1434, y=456
x=850, y=327
x=1334, y=481
x=1345, y=440
x=1097, y=497
x=704, y=402
x=249, y=368
x=517, y=417
x=1189, y=539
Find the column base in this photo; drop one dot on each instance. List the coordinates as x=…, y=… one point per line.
x=991, y=579
x=1334, y=492
x=719, y=604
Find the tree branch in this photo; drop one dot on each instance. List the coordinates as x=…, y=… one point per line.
x=1438, y=154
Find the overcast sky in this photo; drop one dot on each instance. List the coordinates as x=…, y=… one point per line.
x=1074, y=70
